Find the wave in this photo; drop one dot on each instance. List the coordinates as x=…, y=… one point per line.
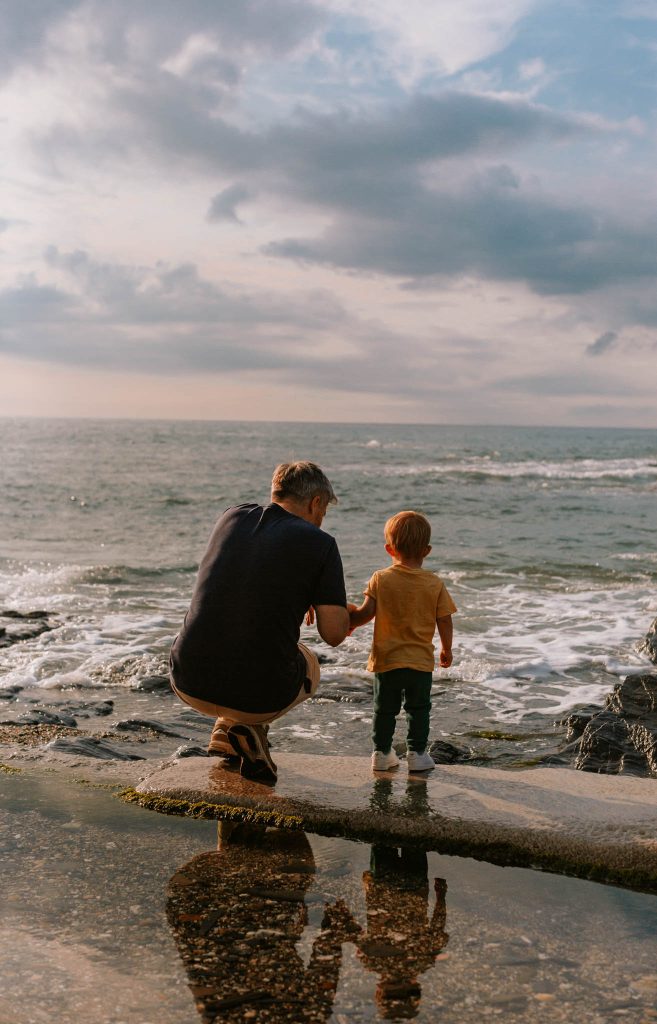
x=568, y=469
x=132, y=573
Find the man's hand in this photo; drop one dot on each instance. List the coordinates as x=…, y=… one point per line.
x=310, y=616
x=359, y=616
x=351, y=608
x=445, y=658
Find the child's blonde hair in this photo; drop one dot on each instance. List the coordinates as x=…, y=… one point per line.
x=409, y=533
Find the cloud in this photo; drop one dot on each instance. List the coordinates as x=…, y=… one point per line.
x=602, y=344
x=416, y=39
x=561, y=384
x=224, y=205
x=163, y=319
x=24, y=26
x=487, y=227
x=123, y=32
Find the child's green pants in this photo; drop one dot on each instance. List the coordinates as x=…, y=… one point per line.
x=390, y=688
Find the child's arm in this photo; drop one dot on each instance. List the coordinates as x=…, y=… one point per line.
x=446, y=633
x=359, y=616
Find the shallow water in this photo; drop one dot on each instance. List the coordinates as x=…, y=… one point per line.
x=99, y=918
x=546, y=538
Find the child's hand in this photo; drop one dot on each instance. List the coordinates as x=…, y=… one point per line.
x=310, y=616
x=445, y=658
x=351, y=608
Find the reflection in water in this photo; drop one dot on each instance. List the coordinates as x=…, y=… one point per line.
x=401, y=942
x=238, y=914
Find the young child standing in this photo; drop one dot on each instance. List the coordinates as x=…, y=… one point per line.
x=407, y=604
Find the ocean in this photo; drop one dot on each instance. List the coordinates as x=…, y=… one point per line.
x=544, y=537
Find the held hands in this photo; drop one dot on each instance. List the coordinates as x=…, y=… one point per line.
x=351, y=608
x=310, y=616
x=445, y=658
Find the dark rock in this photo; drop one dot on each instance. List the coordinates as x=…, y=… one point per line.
x=635, y=697
x=103, y=707
x=134, y=724
x=649, y=643
x=152, y=684
x=443, y=752
x=9, y=692
x=621, y=738
x=84, y=709
x=90, y=747
x=14, y=636
x=11, y=613
x=577, y=721
x=39, y=716
x=191, y=751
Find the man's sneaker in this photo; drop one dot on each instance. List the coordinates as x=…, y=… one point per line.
x=220, y=745
x=381, y=762
x=420, y=762
x=250, y=742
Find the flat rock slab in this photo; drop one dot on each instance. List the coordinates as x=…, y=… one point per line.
x=594, y=826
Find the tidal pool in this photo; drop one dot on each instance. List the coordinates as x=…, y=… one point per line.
x=118, y=915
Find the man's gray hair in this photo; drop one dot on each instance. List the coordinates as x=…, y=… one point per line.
x=301, y=481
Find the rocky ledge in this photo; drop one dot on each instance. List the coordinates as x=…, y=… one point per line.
x=649, y=643
x=591, y=826
x=621, y=737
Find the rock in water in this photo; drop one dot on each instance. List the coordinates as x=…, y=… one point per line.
x=88, y=746
x=135, y=724
x=649, y=643
x=443, y=752
x=152, y=684
x=622, y=737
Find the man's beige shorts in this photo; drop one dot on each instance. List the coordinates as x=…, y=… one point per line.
x=244, y=717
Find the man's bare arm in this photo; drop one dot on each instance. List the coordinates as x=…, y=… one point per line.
x=332, y=623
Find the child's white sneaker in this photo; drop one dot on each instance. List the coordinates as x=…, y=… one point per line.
x=381, y=762
x=420, y=762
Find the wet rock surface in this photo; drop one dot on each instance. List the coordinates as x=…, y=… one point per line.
x=556, y=820
x=17, y=626
x=89, y=746
x=135, y=724
x=619, y=739
x=152, y=684
x=649, y=643
x=444, y=752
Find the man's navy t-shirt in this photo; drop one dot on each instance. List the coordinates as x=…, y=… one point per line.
x=263, y=569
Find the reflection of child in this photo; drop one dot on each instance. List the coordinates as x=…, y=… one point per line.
x=407, y=603
x=400, y=942
x=397, y=895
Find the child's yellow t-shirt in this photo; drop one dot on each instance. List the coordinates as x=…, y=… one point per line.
x=408, y=602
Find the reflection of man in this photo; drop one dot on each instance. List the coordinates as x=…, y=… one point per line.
x=238, y=655
x=237, y=915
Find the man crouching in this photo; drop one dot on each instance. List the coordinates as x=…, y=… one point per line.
x=238, y=656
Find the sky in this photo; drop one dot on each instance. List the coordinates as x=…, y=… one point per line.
x=346, y=210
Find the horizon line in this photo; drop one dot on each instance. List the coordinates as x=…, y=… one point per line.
x=326, y=423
